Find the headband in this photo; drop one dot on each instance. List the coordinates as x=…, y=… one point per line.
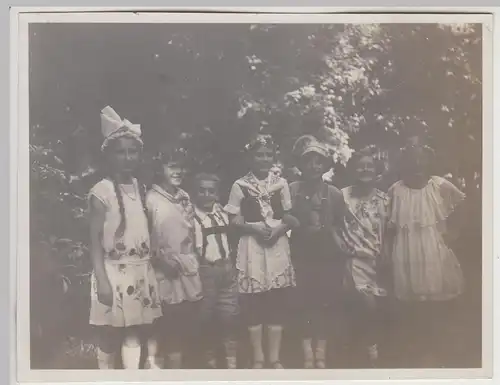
x=261, y=140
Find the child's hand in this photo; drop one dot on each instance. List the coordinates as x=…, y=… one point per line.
x=105, y=293
x=238, y=220
x=261, y=233
x=171, y=268
x=273, y=236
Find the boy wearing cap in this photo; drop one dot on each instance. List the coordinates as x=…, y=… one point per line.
x=316, y=251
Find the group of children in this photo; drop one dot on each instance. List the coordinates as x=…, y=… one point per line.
x=171, y=268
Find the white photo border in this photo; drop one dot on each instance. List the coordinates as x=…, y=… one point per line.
x=20, y=193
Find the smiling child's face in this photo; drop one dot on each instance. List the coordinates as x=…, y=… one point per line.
x=365, y=169
x=206, y=194
x=173, y=174
x=263, y=160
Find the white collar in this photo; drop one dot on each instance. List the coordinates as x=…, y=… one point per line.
x=202, y=214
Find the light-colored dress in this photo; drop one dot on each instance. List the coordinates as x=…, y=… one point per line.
x=425, y=268
x=365, y=223
x=127, y=262
x=173, y=238
x=261, y=268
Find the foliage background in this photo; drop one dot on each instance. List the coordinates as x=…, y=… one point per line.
x=208, y=89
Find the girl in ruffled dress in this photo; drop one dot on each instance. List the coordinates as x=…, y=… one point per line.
x=427, y=277
x=172, y=237
x=124, y=296
x=258, y=207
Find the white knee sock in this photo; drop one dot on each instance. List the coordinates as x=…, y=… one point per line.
x=320, y=353
x=274, y=336
x=373, y=352
x=308, y=351
x=131, y=352
x=105, y=360
x=256, y=341
x=175, y=360
x=152, y=360
x=230, y=347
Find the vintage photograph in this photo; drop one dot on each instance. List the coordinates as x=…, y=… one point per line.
x=255, y=195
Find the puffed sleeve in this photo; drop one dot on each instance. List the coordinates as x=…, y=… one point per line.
x=234, y=202
x=102, y=191
x=450, y=194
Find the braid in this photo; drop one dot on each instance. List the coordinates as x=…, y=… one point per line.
x=142, y=193
x=120, y=231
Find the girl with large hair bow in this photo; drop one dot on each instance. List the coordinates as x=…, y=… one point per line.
x=124, y=291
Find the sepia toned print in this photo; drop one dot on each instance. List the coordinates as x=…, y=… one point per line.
x=255, y=196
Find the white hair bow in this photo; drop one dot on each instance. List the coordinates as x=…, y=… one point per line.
x=112, y=126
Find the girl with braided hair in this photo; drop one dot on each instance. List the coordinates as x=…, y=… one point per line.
x=124, y=292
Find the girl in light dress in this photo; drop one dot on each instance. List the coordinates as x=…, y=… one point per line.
x=172, y=237
x=124, y=290
x=427, y=277
x=317, y=257
x=258, y=206
x=365, y=225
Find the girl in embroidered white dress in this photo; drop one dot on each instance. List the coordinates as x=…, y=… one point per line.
x=124, y=296
x=175, y=260
x=258, y=206
x=365, y=224
x=427, y=277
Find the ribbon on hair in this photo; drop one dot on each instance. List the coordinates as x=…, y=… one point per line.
x=113, y=126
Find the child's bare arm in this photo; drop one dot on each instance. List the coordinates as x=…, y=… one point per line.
x=454, y=200
x=239, y=224
x=97, y=218
x=290, y=221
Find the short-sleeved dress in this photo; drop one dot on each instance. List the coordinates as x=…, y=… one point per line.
x=127, y=262
x=261, y=268
x=173, y=238
x=424, y=267
x=365, y=223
